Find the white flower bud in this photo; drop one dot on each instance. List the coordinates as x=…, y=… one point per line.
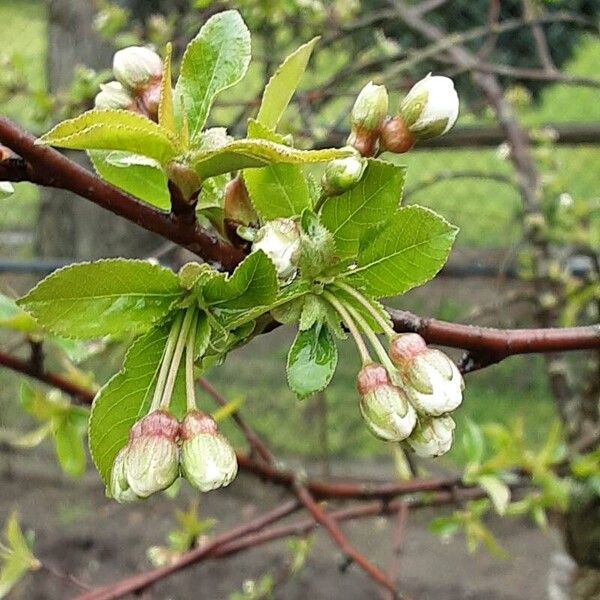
x=384, y=407
x=119, y=487
x=113, y=95
x=136, y=66
x=280, y=241
x=433, y=437
x=207, y=459
x=343, y=174
x=433, y=383
x=370, y=108
x=430, y=108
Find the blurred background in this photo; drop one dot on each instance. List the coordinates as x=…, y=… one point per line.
x=545, y=56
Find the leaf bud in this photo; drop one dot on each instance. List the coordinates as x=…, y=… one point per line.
x=433, y=436
x=137, y=66
x=430, y=108
x=114, y=95
x=207, y=459
x=280, y=241
x=342, y=174
x=432, y=381
x=152, y=458
x=384, y=407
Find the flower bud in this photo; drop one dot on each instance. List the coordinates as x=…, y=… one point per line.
x=385, y=407
x=433, y=383
x=114, y=95
x=430, y=108
x=119, y=487
x=433, y=437
x=137, y=66
x=370, y=108
x=207, y=459
x=280, y=241
x=152, y=460
x=342, y=174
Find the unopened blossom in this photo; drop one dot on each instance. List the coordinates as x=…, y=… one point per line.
x=280, y=241
x=342, y=174
x=384, y=406
x=367, y=115
x=432, y=381
x=433, y=436
x=115, y=96
x=137, y=66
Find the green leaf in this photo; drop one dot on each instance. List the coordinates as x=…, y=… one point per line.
x=497, y=490
x=373, y=201
x=473, y=442
x=115, y=297
x=6, y=189
x=215, y=60
x=137, y=175
x=252, y=284
x=445, y=526
x=14, y=317
x=277, y=191
x=312, y=360
x=254, y=153
x=283, y=84
x=125, y=399
x=113, y=130
x=68, y=443
x=409, y=251
x=166, y=106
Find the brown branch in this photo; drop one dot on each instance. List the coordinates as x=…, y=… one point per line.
x=397, y=543
x=47, y=167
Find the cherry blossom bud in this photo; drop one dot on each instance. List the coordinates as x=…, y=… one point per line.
x=385, y=407
x=207, y=459
x=433, y=436
x=280, y=241
x=432, y=381
x=342, y=174
x=114, y=95
x=152, y=459
x=119, y=487
x=366, y=117
x=137, y=66
x=430, y=108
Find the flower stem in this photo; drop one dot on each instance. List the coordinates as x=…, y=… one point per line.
x=385, y=326
x=166, y=361
x=375, y=343
x=354, y=332
x=190, y=389
x=176, y=358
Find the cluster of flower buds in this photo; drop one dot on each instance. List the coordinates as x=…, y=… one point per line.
x=430, y=109
x=280, y=241
x=160, y=448
x=138, y=73
x=412, y=400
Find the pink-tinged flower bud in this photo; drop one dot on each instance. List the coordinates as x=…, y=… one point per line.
x=432, y=381
x=342, y=174
x=430, y=108
x=152, y=459
x=115, y=96
x=207, y=459
x=384, y=406
x=237, y=207
x=280, y=241
x=137, y=66
x=119, y=486
x=433, y=436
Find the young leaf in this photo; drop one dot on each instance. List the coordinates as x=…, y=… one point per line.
x=409, y=251
x=137, y=175
x=125, y=399
x=113, y=130
x=283, y=84
x=166, y=108
x=253, y=283
x=109, y=297
x=312, y=360
x=318, y=246
x=373, y=201
x=277, y=191
x=253, y=153
x=215, y=60
x=497, y=490
x=14, y=317
x=68, y=443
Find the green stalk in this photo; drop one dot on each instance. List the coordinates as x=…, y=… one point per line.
x=176, y=359
x=385, y=326
x=166, y=361
x=375, y=343
x=354, y=332
x=190, y=388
